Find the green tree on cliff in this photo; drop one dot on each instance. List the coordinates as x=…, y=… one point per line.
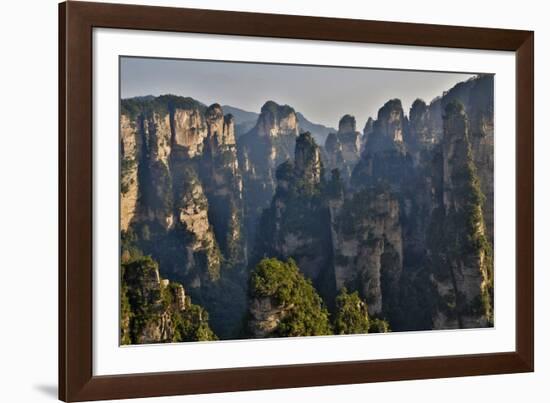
x=305, y=313
x=351, y=315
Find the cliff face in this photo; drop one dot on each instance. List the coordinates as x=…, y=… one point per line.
x=201, y=248
x=296, y=222
x=367, y=130
x=222, y=179
x=385, y=158
x=417, y=159
x=400, y=215
x=477, y=97
x=157, y=311
x=420, y=134
x=335, y=155
x=270, y=143
x=155, y=194
x=190, y=131
x=368, y=247
x=338, y=241
x=344, y=147
x=181, y=191
x=463, y=264
x=386, y=161
x=130, y=147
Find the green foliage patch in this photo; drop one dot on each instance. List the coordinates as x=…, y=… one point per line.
x=283, y=282
x=351, y=315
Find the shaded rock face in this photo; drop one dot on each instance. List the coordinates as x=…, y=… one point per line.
x=368, y=247
x=222, y=180
x=420, y=135
x=385, y=158
x=344, y=148
x=463, y=263
x=296, y=223
x=417, y=159
x=338, y=238
x=367, y=130
x=347, y=124
x=307, y=160
x=260, y=152
x=391, y=122
x=477, y=96
x=335, y=154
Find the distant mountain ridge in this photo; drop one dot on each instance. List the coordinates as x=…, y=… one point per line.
x=317, y=130
x=244, y=120
x=240, y=115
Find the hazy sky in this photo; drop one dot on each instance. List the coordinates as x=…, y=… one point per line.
x=322, y=94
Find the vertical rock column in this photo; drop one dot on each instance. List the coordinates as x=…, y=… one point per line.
x=130, y=145
x=464, y=280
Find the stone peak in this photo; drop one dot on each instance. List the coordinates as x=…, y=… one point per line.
x=307, y=160
x=276, y=109
x=332, y=142
x=214, y=111
x=454, y=108
x=276, y=120
x=419, y=106
x=347, y=124
x=390, y=108
x=305, y=139
x=368, y=125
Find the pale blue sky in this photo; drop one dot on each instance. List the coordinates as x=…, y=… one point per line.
x=322, y=94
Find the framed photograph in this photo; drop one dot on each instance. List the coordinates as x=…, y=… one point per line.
x=253, y=201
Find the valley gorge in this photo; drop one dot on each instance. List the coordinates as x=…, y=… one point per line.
x=271, y=230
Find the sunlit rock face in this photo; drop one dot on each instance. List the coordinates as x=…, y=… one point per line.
x=276, y=121
x=130, y=146
x=181, y=191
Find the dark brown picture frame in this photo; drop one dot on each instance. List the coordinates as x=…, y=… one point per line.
x=76, y=22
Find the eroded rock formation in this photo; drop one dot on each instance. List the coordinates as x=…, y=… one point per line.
x=157, y=311
x=181, y=193
x=400, y=213
x=270, y=143
x=463, y=257
x=296, y=223
x=344, y=147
